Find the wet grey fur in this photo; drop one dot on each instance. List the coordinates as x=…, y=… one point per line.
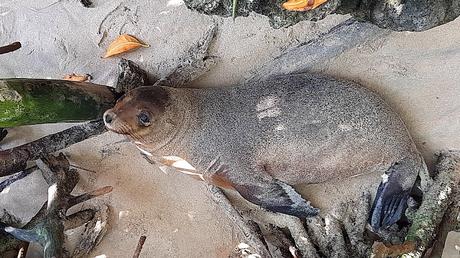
x=292, y=129
x=310, y=129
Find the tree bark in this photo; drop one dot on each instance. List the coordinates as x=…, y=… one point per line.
x=38, y=101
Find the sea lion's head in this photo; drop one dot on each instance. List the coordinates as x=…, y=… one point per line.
x=139, y=113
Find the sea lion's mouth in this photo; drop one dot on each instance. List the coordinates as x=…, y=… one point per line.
x=112, y=123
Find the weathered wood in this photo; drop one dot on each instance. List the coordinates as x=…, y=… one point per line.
x=15, y=159
x=16, y=177
x=248, y=233
x=194, y=63
x=37, y=101
x=130, y=76
x=47, y=227
x=3, y=133
x=436, y=201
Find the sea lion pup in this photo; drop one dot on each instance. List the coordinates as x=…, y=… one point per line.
x=260, y=139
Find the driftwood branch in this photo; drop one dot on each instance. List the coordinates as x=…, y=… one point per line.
x=3, y=133
x=436, y=201
x=47, y=227
x=130, y=76
x=93, y=233
x=194, y=64
x=16, y=177
x=15, y=159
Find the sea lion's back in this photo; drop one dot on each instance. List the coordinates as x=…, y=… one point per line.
x=313, y=128
x=306, y=128
x=301, y=128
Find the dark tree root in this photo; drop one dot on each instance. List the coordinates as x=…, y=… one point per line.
x=15, y=160
x=48, y=226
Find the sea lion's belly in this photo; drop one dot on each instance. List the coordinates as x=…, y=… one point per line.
x=298, y=162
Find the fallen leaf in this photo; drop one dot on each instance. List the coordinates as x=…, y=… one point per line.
x=123, y=44
x=380, y=250
x=302, y=5
x=77, y=77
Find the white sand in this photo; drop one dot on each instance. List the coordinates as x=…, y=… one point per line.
x=416, y=72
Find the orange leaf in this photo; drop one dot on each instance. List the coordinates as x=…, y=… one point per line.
x=77, y=77
x=302, y=5
x=123, y=44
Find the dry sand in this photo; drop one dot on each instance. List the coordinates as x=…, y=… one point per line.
x=416, y=72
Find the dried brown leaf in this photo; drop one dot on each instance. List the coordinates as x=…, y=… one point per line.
x=123, y=44
x=380, y=250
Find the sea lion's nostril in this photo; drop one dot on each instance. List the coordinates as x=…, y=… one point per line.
x=108, y=118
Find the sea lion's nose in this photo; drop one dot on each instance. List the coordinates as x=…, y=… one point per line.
x=108, y=117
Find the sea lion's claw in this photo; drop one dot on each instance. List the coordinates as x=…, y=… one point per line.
x=389, y=205
x=277, y=196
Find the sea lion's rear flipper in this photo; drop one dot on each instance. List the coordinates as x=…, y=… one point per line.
x=277, y=196
x=390, y=202
x=389, y=206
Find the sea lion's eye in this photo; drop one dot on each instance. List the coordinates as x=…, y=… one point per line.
x=144, y=119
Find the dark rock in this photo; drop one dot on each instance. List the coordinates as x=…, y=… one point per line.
x=271, y=8
x=86, y=3
x=405, y=15
x=399, y=15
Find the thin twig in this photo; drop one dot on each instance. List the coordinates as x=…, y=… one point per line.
x=140, y=244
x=87, y=196
x=18, y=176
x=10, y=48
x=82, y=168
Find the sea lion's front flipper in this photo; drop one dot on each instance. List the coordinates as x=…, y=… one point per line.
x=259, y=188
x=390, y=202
x=277, y=196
